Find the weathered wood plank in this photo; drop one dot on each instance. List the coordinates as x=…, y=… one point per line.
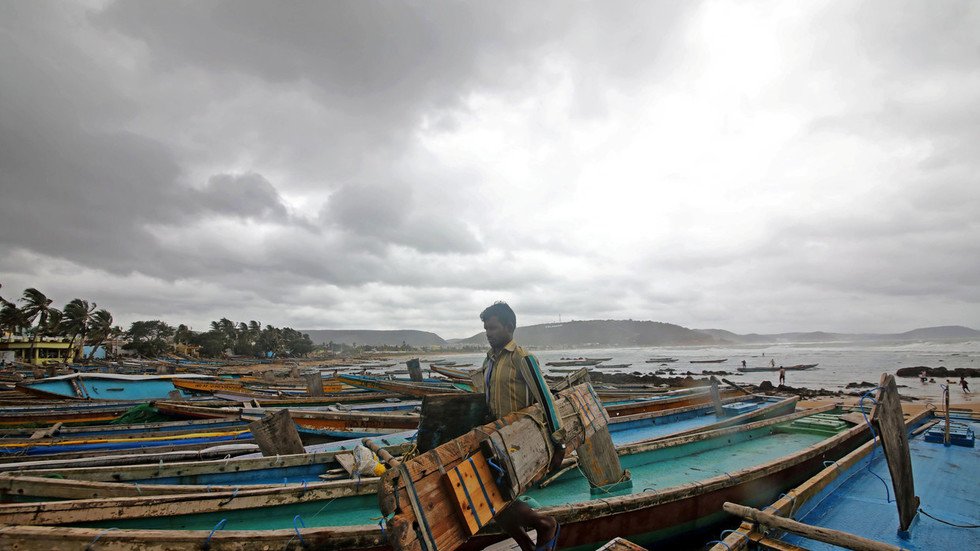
x=895, y=443
x=276, y=434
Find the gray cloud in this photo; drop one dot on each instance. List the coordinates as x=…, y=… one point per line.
x=399, y=165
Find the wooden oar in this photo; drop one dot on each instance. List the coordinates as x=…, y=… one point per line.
x=826, y=535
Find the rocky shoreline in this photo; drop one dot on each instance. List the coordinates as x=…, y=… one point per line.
x=766, y=387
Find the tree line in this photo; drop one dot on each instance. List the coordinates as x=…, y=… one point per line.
x=82, y=322
x=154, y=337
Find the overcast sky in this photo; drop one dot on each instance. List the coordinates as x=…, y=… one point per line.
x=752, y=166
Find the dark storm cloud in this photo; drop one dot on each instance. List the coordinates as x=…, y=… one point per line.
x=188, y=157
x=247, y=195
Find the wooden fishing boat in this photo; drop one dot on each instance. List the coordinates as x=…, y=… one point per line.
x=48, y=446
x=572, y=363
x=270, y=400
x=661, y=360
x=336, y=424
x=667, y=400
x=451, y=372
x=678, y=486
x=242, y=445
x=75, y=414
x=136, y=429
x=405, y=388
x=798, y=367
x=613, y=366
x=106, y=386
x=849, y=496
x=723, y=360
x=317, y=466
x=211, y=386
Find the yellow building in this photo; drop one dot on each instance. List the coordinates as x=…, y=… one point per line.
x=47, y=350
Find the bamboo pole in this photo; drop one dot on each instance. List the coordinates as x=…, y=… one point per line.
x=826, y=535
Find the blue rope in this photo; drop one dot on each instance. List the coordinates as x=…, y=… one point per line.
x=719, y=542
x=874, y=446
x=733, y=532
x=296, y=528
x=219, y=526
x=91, y=544
x=500, y=472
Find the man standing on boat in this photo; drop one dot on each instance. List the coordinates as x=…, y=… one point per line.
x=506, y=373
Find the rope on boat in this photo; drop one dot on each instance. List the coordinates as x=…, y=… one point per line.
x=296, y=528
x=829, y=463
x=921, y=510
x=91, y=544
x=234, y=494
x=219, y=526
x=721, y=538
x=874, y=439
x=383, y=523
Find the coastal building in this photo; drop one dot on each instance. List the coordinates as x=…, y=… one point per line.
x=47, y=350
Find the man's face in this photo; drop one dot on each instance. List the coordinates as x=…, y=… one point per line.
x=498, y=335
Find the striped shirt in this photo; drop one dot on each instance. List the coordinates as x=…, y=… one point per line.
x=505, y=388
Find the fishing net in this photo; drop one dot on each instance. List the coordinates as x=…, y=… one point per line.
x=143, y=413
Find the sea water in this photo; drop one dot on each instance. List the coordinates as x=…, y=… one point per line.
x=840, y=363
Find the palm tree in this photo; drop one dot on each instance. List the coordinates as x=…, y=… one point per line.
x=12, y=318
x=78, y=315
x=100, y=328
x=36, y=306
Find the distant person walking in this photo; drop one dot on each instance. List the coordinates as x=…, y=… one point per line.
x=782, y=375
x=964, y=385
x=772, y=363
x=743, y=363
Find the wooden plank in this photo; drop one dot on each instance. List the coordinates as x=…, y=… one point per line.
x=314, y=383
x=597, y=455
x=414, y=370
x=826, y=535
x=716, y=398
x=895, y=443
x=476, y=495
x=276, y=434
x=346, y=460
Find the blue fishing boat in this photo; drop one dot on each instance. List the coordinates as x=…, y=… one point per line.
x=106, y=386
x=853, y=496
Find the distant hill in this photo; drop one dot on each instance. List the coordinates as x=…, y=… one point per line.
x=611, y=333
x=623, y=333
x=941, y=332
x=925, y=333
x=369, y=337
